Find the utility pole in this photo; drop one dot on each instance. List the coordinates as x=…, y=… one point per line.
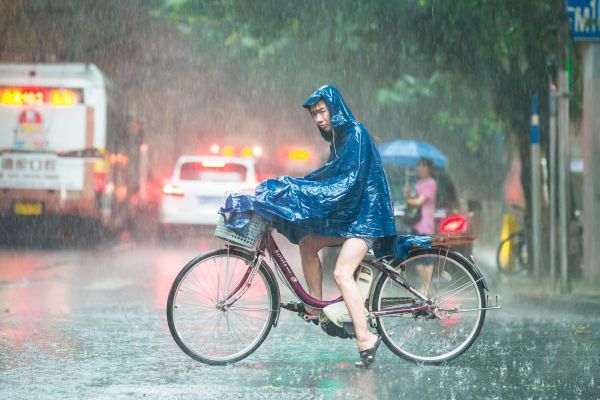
x=591, y=163
x=563, y=165
x=536, y=190
x=584, y=22
x=552, y=185
x=563, y=147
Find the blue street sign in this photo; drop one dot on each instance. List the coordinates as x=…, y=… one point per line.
x=535, y=122
x=583, y=19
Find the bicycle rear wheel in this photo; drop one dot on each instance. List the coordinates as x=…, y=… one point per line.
x=199, y=324
x=440, y=335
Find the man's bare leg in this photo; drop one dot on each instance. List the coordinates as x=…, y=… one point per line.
x=311, y=264
x=353, y=251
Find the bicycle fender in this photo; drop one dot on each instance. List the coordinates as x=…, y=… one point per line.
x=379, y=275
x=269, y=273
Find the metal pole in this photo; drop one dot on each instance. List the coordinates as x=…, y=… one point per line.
x=552, y=185
x=536, y=189
x=591, y=164
x=563, y=164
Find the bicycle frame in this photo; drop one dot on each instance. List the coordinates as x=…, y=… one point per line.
x=267, y=244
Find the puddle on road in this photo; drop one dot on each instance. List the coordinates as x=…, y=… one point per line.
x=24, y=342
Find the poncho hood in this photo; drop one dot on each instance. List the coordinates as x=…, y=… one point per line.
x=347, y=197
x=339, y=112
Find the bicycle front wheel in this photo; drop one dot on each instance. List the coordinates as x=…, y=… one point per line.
x=455, y=320
x=201, y=326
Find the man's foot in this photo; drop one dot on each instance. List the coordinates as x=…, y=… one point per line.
x=307, y=314
x=369, y=342
x=367, y=356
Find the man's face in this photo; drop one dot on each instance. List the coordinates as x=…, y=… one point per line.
x=320, y=115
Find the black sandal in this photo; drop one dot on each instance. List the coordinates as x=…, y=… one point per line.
x=367, y=356
x=301, y=310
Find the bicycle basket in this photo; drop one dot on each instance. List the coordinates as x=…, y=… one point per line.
x=256, y=228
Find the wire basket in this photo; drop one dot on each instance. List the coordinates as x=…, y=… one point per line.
x=256, y=228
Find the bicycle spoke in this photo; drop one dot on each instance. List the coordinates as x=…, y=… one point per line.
x=231, y=279
x=228, y=332
x=207, y=282
x=193, y=306
x=234, y=330
x=247, y=316
x=217, y=331
x=456, y=283
x=243, y=308
x=458, y=290
x=199, y=291
x=247, y=323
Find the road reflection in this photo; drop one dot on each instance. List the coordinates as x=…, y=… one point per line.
x=90, y=322
x=29, y=305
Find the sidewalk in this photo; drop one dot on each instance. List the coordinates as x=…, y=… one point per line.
x=524, y=287
x=527, y=287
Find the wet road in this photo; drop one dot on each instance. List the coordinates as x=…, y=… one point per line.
x=90, y=323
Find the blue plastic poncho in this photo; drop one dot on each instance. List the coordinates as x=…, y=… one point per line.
x=399, y=246
x=346, y=197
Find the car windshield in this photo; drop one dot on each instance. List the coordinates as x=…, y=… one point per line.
x=212, y=171
x=399, y=175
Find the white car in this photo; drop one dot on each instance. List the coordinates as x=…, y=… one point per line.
x=199, y=186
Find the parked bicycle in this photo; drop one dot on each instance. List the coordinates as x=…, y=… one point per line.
x=428, y=308
x=512, y=254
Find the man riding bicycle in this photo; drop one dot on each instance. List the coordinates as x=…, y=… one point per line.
x=346, y=202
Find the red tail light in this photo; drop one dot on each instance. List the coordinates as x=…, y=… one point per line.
x=172, y=190
x=99, y=181
x=453, y=224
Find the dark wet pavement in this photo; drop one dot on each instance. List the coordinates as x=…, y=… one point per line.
x=90, y=323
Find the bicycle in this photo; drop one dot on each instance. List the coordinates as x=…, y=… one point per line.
x=513, y=253
x=223, y=304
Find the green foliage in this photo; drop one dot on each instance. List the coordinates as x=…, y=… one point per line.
x=408, y=90
x=507, y=47
x=453, y=72
x=503, y=48
x=461, y=112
